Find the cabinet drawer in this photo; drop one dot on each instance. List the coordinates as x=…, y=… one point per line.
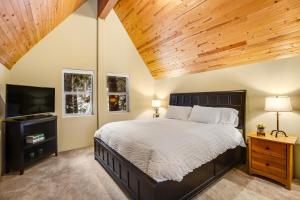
x=269, y=165
x=269, y=148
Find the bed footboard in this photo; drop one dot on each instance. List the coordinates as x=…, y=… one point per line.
x=131, y=179
x=140, y=186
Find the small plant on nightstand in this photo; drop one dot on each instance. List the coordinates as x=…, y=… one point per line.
x=261, y=129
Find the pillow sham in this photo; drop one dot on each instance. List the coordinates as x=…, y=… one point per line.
x=214, y=115
x=178, y=112
x=207, y=115
x=229, y=116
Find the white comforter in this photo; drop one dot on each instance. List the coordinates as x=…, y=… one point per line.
x=167, y=149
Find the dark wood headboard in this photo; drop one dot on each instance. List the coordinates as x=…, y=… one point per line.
x=228, y=99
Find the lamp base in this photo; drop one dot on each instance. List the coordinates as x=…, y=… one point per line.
x=155, y=115
x=278, y=131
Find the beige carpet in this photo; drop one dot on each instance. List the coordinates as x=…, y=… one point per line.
x=76, y=175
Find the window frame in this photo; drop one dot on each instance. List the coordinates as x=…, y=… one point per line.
x=127, y=93
x=64, y=93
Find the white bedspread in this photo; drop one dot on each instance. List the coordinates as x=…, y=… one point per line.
x=168, y=149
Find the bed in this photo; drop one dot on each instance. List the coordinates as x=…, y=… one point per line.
x=138, y=184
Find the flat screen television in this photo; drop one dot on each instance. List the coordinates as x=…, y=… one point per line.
x=27, y=100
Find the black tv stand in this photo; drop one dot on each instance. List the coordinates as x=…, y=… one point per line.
x=29, y=117
x=18, y=153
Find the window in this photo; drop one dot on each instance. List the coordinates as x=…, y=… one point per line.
x=118, y=96
x=77, y=92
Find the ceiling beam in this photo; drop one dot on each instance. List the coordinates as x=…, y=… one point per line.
x=105, y=6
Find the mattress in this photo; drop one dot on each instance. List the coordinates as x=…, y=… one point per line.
x=168, y=149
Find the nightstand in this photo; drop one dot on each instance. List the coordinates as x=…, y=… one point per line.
x=272, y=157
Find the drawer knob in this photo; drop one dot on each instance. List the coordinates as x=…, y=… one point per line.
x=267, y=148
x=267, y=164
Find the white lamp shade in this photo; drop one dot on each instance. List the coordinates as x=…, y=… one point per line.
x=278, y=104
x=156, y=103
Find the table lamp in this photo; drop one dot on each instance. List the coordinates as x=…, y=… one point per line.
x=278, y=104
x=156, y=105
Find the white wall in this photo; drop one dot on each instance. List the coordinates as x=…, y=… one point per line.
x=117, y=54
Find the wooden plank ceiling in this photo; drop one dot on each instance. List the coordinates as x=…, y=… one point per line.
x=23, y=23
x=175, y=37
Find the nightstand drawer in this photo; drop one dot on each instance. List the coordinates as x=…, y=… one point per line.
x=269, y=165
x=269, y=148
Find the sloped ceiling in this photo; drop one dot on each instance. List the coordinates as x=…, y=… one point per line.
x=175, y=37
x=23, y=23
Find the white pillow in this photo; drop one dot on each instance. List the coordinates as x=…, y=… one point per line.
x=207, y=115
x=229, y=116
x=178, y=112
x=214, y=115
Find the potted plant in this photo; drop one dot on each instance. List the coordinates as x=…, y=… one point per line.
x=260, y=129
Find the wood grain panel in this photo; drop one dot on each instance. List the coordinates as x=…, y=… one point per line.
x=270, y=165
x=176, y=37
x=105, y=6
x=23, y=23
x=269, y=148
